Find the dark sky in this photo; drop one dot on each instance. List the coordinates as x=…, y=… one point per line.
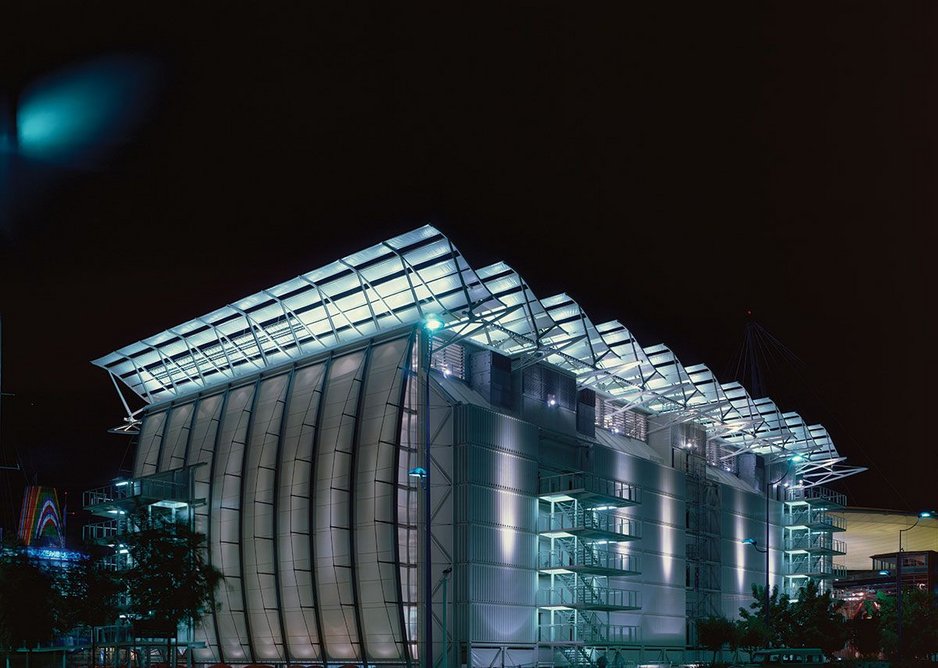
x=668, y=166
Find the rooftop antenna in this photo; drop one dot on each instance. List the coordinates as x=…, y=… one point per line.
x=749, y=369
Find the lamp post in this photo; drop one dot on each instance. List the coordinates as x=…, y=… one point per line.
x=431, y=324
x=765, y=550
x=922, y=515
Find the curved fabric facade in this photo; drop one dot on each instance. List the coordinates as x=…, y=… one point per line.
x=300, y=473
x=590, y=497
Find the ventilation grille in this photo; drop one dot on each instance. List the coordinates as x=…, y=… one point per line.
x=450, y=360
x=621, y=421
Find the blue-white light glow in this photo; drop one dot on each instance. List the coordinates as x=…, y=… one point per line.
x=433, y=323
x=73, y=114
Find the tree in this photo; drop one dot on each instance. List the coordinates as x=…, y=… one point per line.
x=169, y=582
x=778, y=625
x=752, y=634
x=29, y=602
x=919, y=624
x=90, y=597
x=715, y=632
x=866, y=631
x=816, y=621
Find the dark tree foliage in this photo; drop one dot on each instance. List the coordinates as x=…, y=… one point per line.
x=777, y=627
x=919, y=624
x=169, y=582
x=816, y=621
x=90, y=594
x=715, y=632
x=29, y=602
x=752, y=634
x=866, y=631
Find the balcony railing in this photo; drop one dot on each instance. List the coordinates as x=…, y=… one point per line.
x=815, y=542
x=818, y=567
x=793, y=589
x=816, y=518
x=817, y=496
x=587, y=559
x=588, y=484
x=167, y=486
x=589, y=597
x=100, y=531
x=588, y=634
x=588, y=520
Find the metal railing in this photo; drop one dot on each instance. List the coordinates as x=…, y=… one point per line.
x=815, y=542
x=589, y=634
x=584, y=597
x=819, y=566
x=167, y=485
x=588, y=482
x=587, y=557
x=816, y=495
x=100, y=530
x=815, y=518
x=793, y=589
x=580, y=519
x=109, y=493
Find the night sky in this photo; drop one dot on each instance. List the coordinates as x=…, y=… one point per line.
x=671, y=167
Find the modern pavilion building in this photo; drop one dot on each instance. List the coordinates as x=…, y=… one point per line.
x=587, y=496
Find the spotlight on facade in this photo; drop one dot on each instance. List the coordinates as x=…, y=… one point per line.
x=433, y=322
x=551, y=400
x=417, y=472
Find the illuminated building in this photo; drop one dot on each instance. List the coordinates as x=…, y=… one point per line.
x=41, y=522
x=589, y=493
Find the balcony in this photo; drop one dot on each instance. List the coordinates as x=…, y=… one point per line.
x=793, y=588
x=589, y=524
x=820, y=498
x=586, y=560
x=815, y=544
x=100, y=532
x=169, y=489
x=599, y=635
x=817, y=568
x=593, y=491
x=815, y=520
x=588, y=597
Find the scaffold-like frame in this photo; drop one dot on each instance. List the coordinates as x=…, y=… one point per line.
x=398, y=282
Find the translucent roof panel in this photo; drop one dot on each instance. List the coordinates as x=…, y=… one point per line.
x=396, y=283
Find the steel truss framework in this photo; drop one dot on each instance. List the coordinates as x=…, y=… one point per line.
x=398, y=282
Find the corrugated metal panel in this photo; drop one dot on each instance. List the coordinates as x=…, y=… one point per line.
x=497, y=546
x=481, y=427
x=501, y=585
x=502, y=470
x=503, y=508
x=503, y=623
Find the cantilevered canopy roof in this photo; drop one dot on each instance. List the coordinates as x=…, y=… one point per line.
x=398, y=282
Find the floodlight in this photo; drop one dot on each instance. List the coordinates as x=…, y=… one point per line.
x=433, y=322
